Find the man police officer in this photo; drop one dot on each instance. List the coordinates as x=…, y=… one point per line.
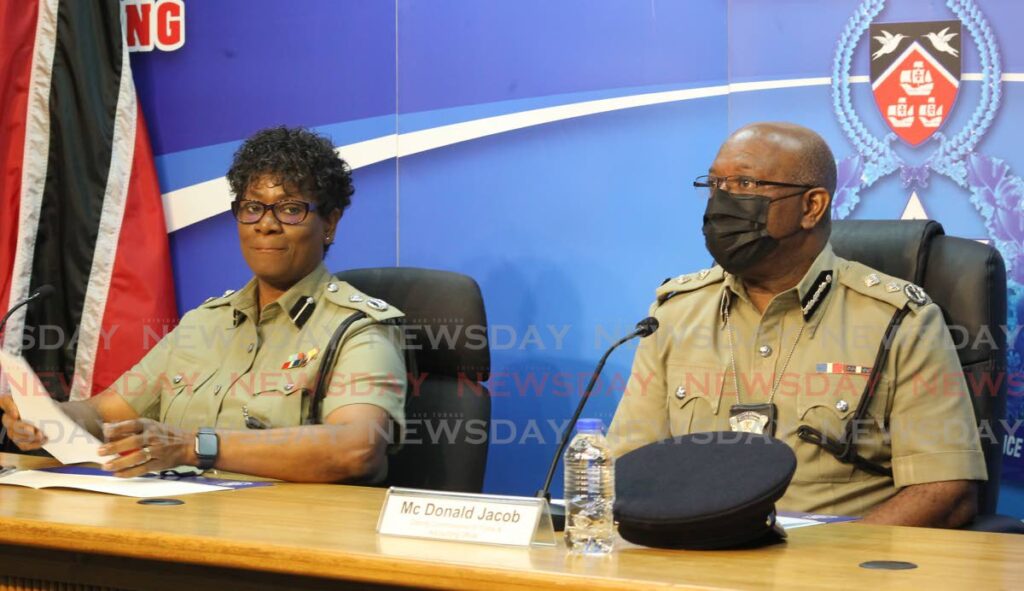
x=780, y=337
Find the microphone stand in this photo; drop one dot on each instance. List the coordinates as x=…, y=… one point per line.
x=644, y=328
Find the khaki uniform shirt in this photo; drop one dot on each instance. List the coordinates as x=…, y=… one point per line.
x=221, y=363
x=816, y=350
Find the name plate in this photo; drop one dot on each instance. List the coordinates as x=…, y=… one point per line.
x=465, y=517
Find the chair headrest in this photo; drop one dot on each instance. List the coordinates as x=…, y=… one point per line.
x=967, y=280
x=445, y=321
x=894, y=247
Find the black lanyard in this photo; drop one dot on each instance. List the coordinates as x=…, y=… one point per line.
x=845, y=450
x=326, y=369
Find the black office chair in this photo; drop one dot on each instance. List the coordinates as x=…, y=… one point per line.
x=447, y=409
x=967, y=279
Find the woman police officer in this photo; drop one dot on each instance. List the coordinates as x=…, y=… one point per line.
x=236, y=374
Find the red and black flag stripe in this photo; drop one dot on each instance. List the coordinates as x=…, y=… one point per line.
x=80, y=207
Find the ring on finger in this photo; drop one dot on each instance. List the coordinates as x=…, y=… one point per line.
x=148, y=453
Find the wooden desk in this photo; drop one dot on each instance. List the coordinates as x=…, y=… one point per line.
x=322, y=536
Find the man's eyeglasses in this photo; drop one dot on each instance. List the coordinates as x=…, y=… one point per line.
x=247, y=211
x=706, y=184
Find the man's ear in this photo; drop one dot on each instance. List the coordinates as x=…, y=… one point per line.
x=817, y=203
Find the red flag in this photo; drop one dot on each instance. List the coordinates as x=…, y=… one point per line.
x=82, y=207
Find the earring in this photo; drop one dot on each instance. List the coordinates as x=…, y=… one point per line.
x=327, y=238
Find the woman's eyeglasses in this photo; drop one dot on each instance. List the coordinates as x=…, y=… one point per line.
x=291, y=213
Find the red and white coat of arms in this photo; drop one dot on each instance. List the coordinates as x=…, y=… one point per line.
x=915, y=75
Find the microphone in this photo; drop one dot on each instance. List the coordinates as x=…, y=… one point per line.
x=41, y=293
x=644, y=328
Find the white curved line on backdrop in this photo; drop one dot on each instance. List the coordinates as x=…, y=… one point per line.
x=198, y=202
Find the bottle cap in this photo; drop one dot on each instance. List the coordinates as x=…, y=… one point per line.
x=590, y=426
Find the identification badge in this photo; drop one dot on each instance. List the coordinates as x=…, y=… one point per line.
x=753, y=418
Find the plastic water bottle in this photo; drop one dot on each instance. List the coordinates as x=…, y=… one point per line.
x=589, y=490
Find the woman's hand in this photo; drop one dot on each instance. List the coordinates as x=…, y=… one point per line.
x=23, y=434
x=145, y=445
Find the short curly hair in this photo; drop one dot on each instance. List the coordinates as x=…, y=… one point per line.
x=301, y=160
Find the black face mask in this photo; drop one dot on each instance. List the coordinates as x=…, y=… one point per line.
x=736, y=229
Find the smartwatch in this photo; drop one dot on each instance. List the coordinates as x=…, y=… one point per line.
x=207, y=447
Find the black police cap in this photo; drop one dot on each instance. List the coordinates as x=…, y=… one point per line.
x=703, y=491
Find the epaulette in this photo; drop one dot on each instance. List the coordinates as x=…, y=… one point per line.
x=344, y=295
x=689, y=282
x=216, y=301
x=886, y=288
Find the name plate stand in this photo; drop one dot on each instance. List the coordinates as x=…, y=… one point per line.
x=466, y=517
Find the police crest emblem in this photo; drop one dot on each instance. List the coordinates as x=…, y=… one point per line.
x=915, y=75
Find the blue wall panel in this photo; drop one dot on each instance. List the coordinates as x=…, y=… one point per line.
x=568, y=226
x=249, y=64
x=463, y=52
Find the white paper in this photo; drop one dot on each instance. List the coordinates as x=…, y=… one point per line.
x=67, y=441
x=795, y=522
x=142, y=488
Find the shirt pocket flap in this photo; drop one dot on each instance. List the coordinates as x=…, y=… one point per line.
x=690, y=385
x=281, y=390
x=182, y=384
x=827, y=403
x=280, y=406
x=835, y=394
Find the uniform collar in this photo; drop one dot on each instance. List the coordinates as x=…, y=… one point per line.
x=811, y=292
x=243, y=303
x=817, y=283
x=298, y=302
x=733, y=287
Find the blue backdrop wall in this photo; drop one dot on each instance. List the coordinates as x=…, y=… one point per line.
x=546, y=149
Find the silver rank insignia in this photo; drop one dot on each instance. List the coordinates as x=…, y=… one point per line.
x=816, y=294
x=892, y=287
x=872, y=280
x=355, y=298
x=683, y=279
x=703, y=273
x=915, y=294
